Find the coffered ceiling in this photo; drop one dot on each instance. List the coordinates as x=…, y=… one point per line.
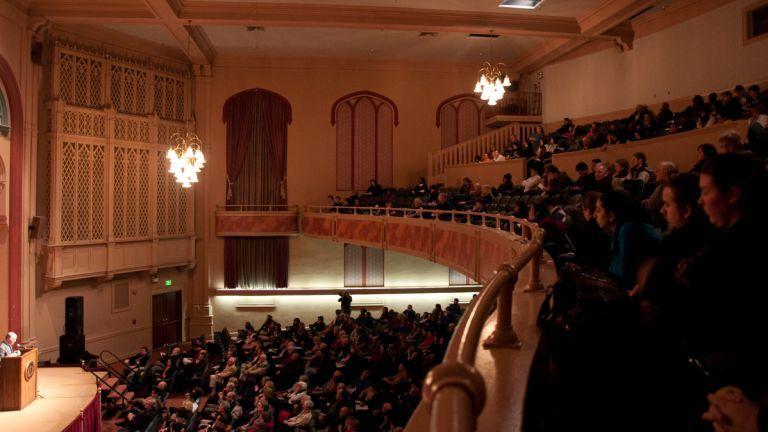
x=380, y=29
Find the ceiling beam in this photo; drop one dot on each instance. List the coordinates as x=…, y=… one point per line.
x=170, y=12
x=609, y=20
x=191, y=39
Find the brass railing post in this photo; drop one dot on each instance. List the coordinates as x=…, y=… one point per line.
x=534, y=277
x=504, y=335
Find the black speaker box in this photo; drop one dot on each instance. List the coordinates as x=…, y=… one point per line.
x=71, y=349
x=73, y=316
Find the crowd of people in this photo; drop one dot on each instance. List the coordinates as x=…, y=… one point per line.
x=673, y=259
x=643, y=123
x=354, y=373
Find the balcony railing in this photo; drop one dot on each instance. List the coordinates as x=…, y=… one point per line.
x=454, y=391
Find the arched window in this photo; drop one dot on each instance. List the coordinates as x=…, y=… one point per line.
x=5, y=121
x=365, y=123
x=3, y=211
x=460, y=118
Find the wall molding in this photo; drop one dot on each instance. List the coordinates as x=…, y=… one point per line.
x=336, y=290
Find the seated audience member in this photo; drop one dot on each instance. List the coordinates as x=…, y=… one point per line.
x=731, y=107
x=564, y=134
x=585, y=180
x=135, y=365
x=375, y=189
x=542, y=155
x=632, y=239
x=665, y=116
x=665, y=172
x=638, y=114
x=757, y=131
x=730, y=142
x=724, y=311
x=536, y=138
x=755, y=97
x=497, y=156
x=640, y=170
x=506, y=187
x=444, y=203
x=467, y=187
x=534, y=178
x=551, y=147
x=704, y=154
x=604, y=177
x=647, y=128
x=556, y=181
x=621, y=173
x=141, y=417
x=591, y=243
x=594, y=137
x=486, y=158
x=422, y=188
x=515, y=151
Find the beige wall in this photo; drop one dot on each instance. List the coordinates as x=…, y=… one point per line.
x=700, y=55
x=122, y=332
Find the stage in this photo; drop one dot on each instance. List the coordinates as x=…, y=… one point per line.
x=63, y=392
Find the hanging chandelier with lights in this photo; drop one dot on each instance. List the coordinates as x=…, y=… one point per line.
x=185, y=157
x=492, y=79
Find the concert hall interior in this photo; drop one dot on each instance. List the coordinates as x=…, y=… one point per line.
x=383, y=215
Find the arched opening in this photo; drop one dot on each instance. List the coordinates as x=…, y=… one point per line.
x=365, y=123
x=257, y=141
x=14, y=191
x=460, y=118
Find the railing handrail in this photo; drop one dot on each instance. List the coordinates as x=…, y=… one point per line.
x=457, y=382
x=109, y=367
x=257, y=207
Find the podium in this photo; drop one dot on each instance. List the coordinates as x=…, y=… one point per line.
x=18, y=380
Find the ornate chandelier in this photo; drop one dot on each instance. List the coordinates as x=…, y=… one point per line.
x=492, y=81
x=186, y=158
x=492, y=78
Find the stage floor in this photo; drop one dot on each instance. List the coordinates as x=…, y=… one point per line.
x=62, y=393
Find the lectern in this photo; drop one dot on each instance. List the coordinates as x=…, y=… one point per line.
x=18, y=380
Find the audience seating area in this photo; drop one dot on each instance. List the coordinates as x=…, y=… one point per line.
x=354, y=373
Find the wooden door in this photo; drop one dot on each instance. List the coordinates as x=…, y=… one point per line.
x=166, y=318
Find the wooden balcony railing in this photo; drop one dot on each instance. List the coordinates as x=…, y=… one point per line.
x=465, y=152
x=454, y=391
x=256, y=220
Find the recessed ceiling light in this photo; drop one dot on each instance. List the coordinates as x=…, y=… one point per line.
x=521, y=4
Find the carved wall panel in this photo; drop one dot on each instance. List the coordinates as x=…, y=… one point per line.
x=113, y=207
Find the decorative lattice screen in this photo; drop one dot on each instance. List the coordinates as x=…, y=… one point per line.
x=130, y=218
x=82, y=192
x=128, y=89
x=92, y=145
x=169, y=97
x=80, y=79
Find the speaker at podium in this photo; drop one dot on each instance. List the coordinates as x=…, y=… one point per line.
x=18, y=380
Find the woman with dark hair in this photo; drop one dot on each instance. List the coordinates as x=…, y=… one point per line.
x=534, y=178
x=631, y=239
x=704, y=154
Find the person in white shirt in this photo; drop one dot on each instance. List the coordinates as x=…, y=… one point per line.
x=6, y=346
x=533, y=180
x=498, y=157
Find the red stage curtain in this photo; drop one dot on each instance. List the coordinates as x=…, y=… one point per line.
x=89, y=419
x=257, y=131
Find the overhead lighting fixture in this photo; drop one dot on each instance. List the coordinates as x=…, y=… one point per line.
x=492, y=80
x=521, y=4
x=185, y=157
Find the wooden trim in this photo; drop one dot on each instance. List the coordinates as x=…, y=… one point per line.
x=745, y=23
x=192, y=40
x=15, y=197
